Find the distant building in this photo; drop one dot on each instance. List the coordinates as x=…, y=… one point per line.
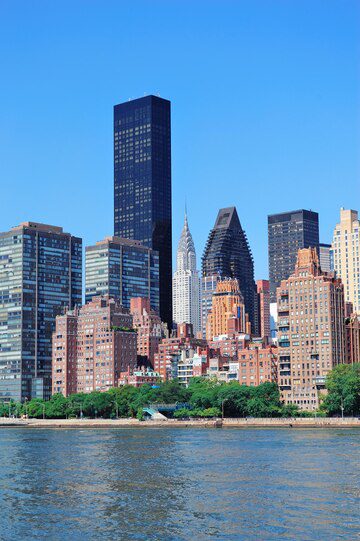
x=149, y=327
x=40, y=276
x=122, y=269
x=186, y=283
x=137, y=378
x=92, y=345
x=142, y=183
x=228, y=310
x=208, y=288
x=228, y=345
x=188, y=364
x=311, y=330
x=227, y=253
x=263, y=292
x=346, y=254
x=353, y=339
x=170, y=347
x=254, y=364
x=288, y=232
x=325, y=257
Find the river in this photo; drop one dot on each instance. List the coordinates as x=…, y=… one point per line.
x=179, y=484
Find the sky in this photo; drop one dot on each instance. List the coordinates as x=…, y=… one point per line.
x=265, y=109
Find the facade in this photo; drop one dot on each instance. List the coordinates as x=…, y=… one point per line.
x=325, y=257
x=92, y=345
x=255, y=364
x=227, y=252
x=150, y=329
x=122, y=269
x=289, y=232
x=263, y=292
x=208, y=288
x=170, y=347
x=186, y=283
x=353, y=339
x=228, y=345
x=346, y=254
x=40, y=276
x=228, y=310
x=188, y=364
x=311, y=330
x=137, y=378
x=142, y=183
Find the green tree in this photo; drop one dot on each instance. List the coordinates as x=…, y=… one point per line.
x=343, y=387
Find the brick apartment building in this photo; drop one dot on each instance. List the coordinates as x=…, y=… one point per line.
x=92, y=345
x=311, y=330
x=150, y=329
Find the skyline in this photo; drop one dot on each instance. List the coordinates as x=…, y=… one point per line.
x=60, y=88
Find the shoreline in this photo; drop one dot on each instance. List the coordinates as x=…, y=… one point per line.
x=299, y=422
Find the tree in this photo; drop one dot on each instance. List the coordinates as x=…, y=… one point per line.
x=343, y=386
x=265, y=401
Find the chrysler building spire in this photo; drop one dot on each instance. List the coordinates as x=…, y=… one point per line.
x=186, y=284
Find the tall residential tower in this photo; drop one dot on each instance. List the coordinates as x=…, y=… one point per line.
x=346, y=255
x=40, y=276
x=142, y=183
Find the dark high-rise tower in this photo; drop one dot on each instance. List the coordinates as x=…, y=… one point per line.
x=142, y=183
x=227, y=253
x=289, y=232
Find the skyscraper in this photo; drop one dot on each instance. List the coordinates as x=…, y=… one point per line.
x=142, y=183
x=346, y=255
x=325, y=257
x=263, y=291
x=208, y=288
x=311, y=330
x=288, y=232
x=123, y=269
x=227, y=252
x=40, y=276
x=227, y=313
x=186, y=284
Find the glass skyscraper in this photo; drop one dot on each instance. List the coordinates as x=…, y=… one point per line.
x=227, y=254
x=123, y=269
x=142, y=183
x=40, y=276
x=287, y=233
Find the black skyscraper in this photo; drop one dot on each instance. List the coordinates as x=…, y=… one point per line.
x=142, y=183
x=228, y=253
x=288, y=232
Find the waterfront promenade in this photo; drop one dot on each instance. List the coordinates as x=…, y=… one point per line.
x=298, y=422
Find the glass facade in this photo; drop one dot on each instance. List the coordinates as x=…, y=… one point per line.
x=123, y=269
x=40, y=276
x=288, y=232
x=227, y=253
x=142, y=183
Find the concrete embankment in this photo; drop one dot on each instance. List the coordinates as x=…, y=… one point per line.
x=299, y=422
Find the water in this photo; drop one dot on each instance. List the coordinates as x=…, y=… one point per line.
x=180, y=484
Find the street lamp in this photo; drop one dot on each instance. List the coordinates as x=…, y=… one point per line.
x=117, y=408
x=342, y=408
x=43, y=406
x=222, y=407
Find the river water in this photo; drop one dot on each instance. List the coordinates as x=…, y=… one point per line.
x=180, y=484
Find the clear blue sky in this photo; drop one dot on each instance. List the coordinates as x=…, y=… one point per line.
x=265, y=108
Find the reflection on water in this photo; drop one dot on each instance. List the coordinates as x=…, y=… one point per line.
x=180, y=484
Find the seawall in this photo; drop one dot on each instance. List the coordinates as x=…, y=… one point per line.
x=298, y=422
